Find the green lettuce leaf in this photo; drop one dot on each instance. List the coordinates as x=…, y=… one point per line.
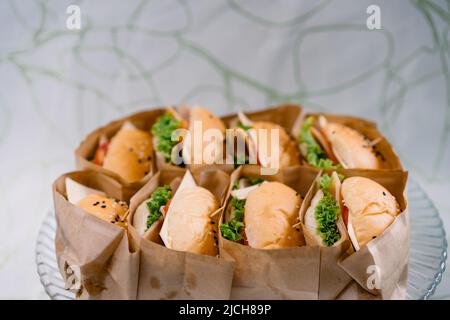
x=252, y=181
x=162, y=129
x=326, y=213
x=159, y=198
x=315, y=155
x=232, y=230
x=243, y=126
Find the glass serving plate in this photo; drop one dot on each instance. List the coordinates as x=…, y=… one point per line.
x=428, y=251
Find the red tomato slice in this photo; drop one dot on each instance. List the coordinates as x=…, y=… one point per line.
x=244, y=238
x=166, y=207
x=101, y=153
x=345, y=215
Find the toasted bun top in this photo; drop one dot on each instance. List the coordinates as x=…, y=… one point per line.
x=208, y=119
x=130, y=154
x=289, y=153
x=104, y=208
x=371, y=207
x=189, y=226
x=350, y=147
x=271, y=210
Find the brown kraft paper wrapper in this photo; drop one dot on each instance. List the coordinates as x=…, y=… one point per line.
x=170, y=274
x=86, y=149
x=290, y=273
x=389, y=252
x=92, y=251
x=332, y=279
x=383, y=149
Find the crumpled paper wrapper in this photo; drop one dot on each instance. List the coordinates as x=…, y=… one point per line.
x=386, y=153
x=170, y=274
x=345, y=274
x=332, y=278
x=142, y=120
x=94, y=257
x=291, y=273
x=109, y=262
x=389, y=252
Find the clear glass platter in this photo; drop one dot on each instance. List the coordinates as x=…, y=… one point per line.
x=428, y=251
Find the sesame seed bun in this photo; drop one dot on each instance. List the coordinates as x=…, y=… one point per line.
x=349, y=146
x=188, y=222
x=187, y=225
x=208, y=121
x=104, y=208
x=312, y=237
x=371, y=209
x=271, y=211
x=130, y=154
x=289, y=153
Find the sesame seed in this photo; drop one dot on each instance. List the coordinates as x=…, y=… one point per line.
x=384, y=193
x=103, y=206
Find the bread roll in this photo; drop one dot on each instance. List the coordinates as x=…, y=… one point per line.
x=349, y=146
x=187, y=226
x=312, y=237
x=208, y=121
x=289, y=153
x=271, y=211
x=104, y=208
x=371, y=209
x=130, y=154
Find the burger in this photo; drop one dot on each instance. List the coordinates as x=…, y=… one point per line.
x=358, y=209
x=369, y=208
x=128, y=153
x=250, y=131
x=329, y=145
x=184, y=218
x=262, y=215
x=322, y=223
x=97, y=203
x=166, y=142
